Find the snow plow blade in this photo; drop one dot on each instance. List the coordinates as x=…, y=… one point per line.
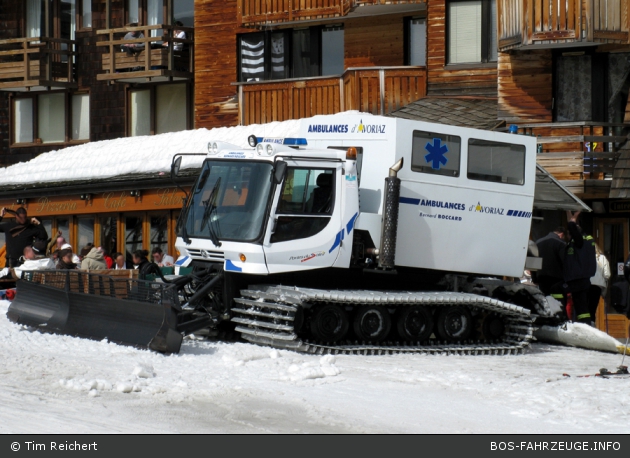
x=121, y=310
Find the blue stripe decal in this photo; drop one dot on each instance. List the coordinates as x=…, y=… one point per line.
x=350, y=224
x=409, y=200
x=336, y=243
x=229, y=266
x=181, y=261
x=510, y=212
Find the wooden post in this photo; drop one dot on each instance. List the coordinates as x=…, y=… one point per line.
x=27, y=61
x=381, y=88
x=342, y=102
x=241, y=111
x=147, y=50
x=112, y=55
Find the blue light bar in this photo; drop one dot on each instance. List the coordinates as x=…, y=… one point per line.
x=283, y=141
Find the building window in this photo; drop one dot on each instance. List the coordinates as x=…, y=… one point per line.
x=297, y=53
x=471, y=31
x=35, y=18
x=159, y=109
x=85, y=14
x=184, y=12
x=416, y=41
x=51, y=117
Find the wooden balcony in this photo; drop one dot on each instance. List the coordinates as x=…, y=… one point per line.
x=539, y=24
x=581, y=155
x=258, y=12
x=157, y=61
x=36, y=64
x=377, y=90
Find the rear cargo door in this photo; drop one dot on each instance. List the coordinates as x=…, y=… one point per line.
x=550, y=194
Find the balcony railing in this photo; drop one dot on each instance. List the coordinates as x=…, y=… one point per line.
x=376, y=90
x=561, y=23
x=253, y=12
x=581, y=155
x=36, y=63
x=157, y=61
x=270, y=11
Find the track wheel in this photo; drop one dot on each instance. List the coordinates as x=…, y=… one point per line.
x=492, y=327
x=454, y=323
x=329, y=323
x=372, y=323
x=415, y=323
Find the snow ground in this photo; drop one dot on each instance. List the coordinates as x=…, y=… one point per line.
x=60, y=384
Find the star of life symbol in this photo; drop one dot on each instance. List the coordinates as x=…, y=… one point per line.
x=436, y=154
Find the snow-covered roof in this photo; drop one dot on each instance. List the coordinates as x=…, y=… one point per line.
x=132, y=155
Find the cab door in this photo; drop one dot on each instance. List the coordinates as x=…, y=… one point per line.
x=305, y=219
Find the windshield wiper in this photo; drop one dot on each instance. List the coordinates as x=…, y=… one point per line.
x=210, y=207
x=184, y=220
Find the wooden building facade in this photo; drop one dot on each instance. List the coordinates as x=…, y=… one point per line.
x=64, y=79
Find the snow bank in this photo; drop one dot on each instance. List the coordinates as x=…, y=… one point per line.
x=130, y=155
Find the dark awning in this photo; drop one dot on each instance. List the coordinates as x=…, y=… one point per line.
x=551, y=195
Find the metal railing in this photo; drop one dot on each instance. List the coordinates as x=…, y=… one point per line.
x=77, y=281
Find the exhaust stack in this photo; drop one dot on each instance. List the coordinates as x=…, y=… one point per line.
x=389, y=228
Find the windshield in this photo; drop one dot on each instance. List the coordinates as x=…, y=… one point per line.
x=229, y=201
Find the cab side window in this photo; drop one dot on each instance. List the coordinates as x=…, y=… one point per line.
x=306, y=203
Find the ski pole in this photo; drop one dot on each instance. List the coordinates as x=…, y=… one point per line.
x=625, y=350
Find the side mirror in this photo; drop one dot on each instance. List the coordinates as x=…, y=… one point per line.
x=175, y=167
x=279, y=172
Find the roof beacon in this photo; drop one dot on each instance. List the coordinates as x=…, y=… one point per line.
x=283, y=141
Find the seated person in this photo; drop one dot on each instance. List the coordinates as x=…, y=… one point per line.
x=120, y=263
x=65, y=260
x=160, y=258
x=146, y=267
x=34, y=259
x=132, y=48
x=177, y=33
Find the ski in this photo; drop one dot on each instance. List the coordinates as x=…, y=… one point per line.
x=622, y=371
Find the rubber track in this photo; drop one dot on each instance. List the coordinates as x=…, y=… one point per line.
x=260, y=313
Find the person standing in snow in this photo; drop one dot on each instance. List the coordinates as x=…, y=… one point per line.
x=19, y=234
x=579, y=266
x=94, y=260
x=599, y=282
x=551, y=249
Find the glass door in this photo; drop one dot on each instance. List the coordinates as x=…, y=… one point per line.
x=612, y=237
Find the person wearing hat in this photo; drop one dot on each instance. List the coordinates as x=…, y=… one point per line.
x=20, y=233
x=75, y=259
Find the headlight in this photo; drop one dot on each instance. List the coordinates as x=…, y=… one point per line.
x=269, y=149
x=259, y=149
x=252, y=140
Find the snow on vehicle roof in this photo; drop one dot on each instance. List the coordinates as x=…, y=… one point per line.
x=136, y=155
